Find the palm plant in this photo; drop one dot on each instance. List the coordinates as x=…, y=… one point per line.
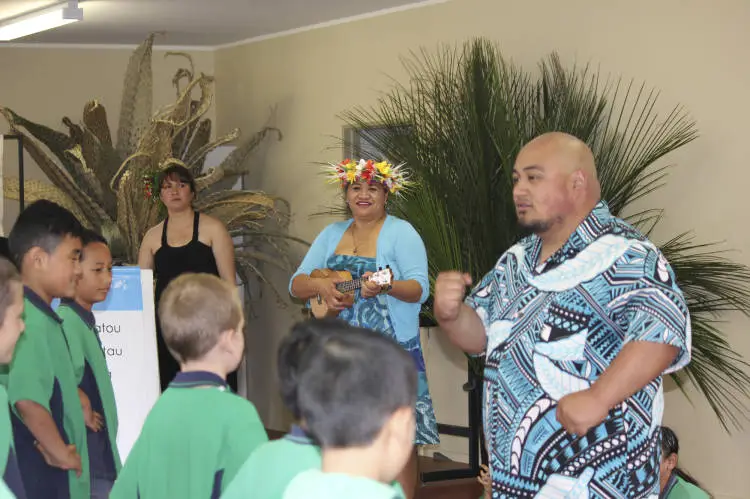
x=460, y=121
x=108, y=185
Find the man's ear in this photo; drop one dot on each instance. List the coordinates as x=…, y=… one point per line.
x=579, y=180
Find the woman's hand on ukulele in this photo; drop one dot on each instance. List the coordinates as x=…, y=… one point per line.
x=369, y=288
x=326, y=288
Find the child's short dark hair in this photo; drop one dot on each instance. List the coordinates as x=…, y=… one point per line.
x=293, y=347
x=42, y=224
x=4, y=249
x=351, y=381
x=193, y=312
x=89, y=236
x=9, y=278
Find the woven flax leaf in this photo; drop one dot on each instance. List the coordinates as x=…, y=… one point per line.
x=95, y=119
x=137, y=99
x=236, y=163
x=199, y=139
x=34, y=190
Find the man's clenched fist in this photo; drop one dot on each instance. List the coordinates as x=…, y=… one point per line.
x=450, y=290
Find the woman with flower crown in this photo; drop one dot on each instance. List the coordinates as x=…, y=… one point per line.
x=371, y=240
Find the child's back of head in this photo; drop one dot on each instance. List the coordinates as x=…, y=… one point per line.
x=11, y=310
x=202, y=321
x=291, y=353
x=45, y=245
x=357, y=396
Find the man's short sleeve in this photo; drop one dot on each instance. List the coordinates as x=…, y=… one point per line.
x=481, y=298
x=31, y=377
x=656, y=310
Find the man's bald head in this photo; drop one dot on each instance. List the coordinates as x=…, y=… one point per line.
x=571, y=153
x=555, y=181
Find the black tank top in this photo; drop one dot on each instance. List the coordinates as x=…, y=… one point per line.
x=170, y=262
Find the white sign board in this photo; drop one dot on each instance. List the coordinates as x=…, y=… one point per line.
x=127, y=328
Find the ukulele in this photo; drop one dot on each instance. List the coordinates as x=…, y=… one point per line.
x=319, y=307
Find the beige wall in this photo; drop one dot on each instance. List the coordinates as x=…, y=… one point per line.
x=45, y=84
x=694, y=51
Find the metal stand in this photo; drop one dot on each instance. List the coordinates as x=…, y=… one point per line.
x=473, y=432
x=19, y=139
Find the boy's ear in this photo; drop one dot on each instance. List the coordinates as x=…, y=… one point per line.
x=36, y=258
x=401, y=425
x=225, y=339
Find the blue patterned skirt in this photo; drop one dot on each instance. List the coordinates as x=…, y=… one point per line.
x=373, y=314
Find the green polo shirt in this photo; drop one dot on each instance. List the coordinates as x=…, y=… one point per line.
x=316, y=483
x=269, y=470
x=5, y=492
x=94, y=380
x=194, y=440
x=680, y=489
x=42, y=372
x=11, y=476
x=6, y=431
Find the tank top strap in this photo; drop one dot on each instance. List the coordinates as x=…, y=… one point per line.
x=164, y=233
x=196, y=223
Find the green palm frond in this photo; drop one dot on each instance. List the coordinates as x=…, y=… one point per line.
x=460, y=120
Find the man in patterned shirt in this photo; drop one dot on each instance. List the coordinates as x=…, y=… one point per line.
x=578, y=322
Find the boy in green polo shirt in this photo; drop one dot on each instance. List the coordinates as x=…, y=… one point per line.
x=268, y=470
x=48, y=425
x=357, y=396
x=11, y=327
x=199, y=433
x=94, y=382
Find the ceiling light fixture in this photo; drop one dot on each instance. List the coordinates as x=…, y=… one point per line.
x=52, y=17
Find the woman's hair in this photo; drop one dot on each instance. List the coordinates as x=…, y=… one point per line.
x=177, y=173
x=671, y=445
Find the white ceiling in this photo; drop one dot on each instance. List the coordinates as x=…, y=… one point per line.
x=207, y=23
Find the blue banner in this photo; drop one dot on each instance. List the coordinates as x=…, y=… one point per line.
x=125, y=294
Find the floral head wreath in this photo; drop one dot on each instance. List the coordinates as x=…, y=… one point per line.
x=349, y=171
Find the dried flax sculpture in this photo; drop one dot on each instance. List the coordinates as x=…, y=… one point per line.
x=109, y=186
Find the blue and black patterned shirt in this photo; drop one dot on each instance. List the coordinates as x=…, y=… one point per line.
x=553, y=329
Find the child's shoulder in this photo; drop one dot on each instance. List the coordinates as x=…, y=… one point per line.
x=239, y=408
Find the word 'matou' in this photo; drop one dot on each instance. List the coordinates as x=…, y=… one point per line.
x=108, y=328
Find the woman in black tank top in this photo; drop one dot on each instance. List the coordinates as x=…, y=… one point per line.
x=168, y=262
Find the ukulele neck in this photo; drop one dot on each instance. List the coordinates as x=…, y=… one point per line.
x=346, y=286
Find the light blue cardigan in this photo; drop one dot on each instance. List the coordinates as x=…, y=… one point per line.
x=399, y=246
